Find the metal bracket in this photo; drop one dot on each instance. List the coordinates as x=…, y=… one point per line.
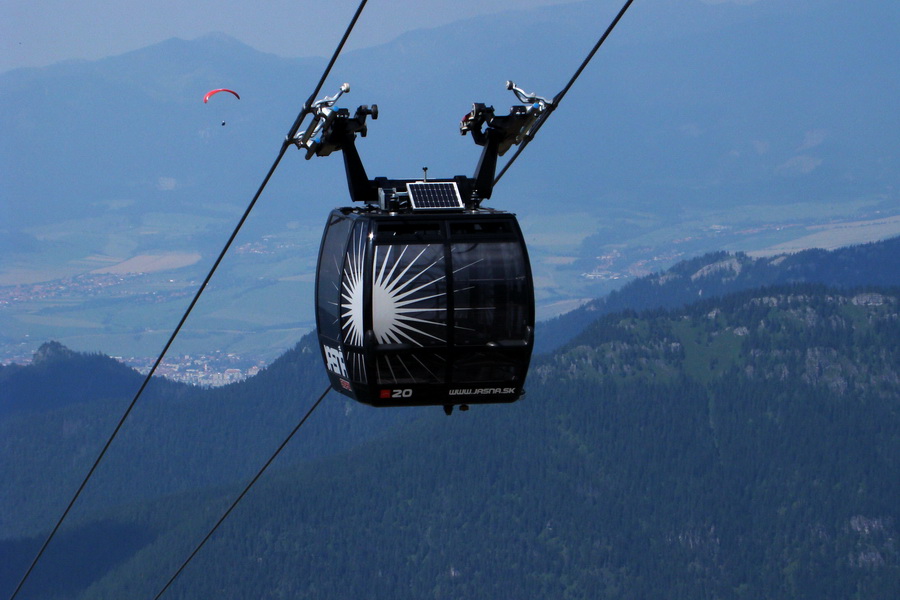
x=331, y=128
x=506, y=130
x=499, y=133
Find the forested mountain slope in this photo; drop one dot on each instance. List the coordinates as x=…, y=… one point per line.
x=56, y=414
x=720, y=273
x=58, y=377
x=742, y=447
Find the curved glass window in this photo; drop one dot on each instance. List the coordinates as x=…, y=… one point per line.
x=331, y=259
x=411, y=366
x=491, y=301
x=353, y=293
x=488, y=365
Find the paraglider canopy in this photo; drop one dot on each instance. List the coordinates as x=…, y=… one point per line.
x=211, y=93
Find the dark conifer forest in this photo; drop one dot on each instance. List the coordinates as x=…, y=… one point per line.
x=744, y=445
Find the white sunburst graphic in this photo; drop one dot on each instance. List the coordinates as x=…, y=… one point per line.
x=403, y=295
x=408, y=294
x=404, y=290
x=352, y=291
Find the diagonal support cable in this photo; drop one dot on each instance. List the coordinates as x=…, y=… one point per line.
x=148, y=376
x=284, y=146
x=558, y=98
x=241, y=495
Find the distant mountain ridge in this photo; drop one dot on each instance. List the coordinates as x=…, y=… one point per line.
x=694, y=116
x=676, y=454
x=806, y=332
x=695, y=435
x=681, y=453
x=721, y=273
x=58, y=378
x=52, y=389
x=125, y=121
x=56, y=414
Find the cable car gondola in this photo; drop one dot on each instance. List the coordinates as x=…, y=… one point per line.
x=423, y=297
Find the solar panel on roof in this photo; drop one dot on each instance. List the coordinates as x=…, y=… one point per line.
x=434, y=195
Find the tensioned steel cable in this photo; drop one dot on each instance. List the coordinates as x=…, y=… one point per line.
x=558, y=97
x=540, y=122
x=287, y=142
x=242, y=494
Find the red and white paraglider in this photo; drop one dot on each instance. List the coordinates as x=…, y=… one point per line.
x=212, y=93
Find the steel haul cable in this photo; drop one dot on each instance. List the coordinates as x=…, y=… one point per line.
x=294, y=129
x=242, y=494
x=555, y=102
x=305, y=111
x=287, y=142
x=558, y=97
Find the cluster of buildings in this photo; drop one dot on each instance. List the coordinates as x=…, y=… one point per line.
x=605, y=268
x=208, y=370
x=79, y=286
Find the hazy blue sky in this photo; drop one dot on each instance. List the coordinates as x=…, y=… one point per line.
x=41, y=32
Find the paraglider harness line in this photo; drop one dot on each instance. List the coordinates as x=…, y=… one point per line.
x=304, y=111
x=243, y=493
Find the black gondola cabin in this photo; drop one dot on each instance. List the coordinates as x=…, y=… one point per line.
x=425, y=308
x=422, y=296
